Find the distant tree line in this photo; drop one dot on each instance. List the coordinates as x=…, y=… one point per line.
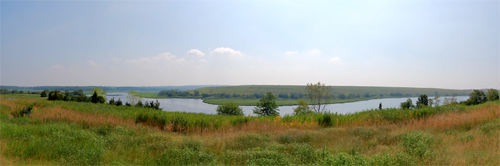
x=186, y=94
x=475, y=98
x=108, y=88
x=16, y=91
x=98, y=96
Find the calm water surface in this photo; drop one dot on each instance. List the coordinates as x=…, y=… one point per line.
x=197, y=105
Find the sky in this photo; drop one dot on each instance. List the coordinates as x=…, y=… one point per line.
x=412, y=43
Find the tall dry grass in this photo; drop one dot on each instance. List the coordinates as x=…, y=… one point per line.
x=64, y=115
x=456, y=119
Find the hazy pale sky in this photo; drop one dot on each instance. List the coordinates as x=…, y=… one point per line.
x=439, y=44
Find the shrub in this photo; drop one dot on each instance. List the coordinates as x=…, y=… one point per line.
x=101, y=99
x=302, y=108
x=118, y=103
x=56, y=95
x=408, y=104
x=43, y=94
x=229, y=108
x=325, y=120
x=112, y=101
x=304, y=153
x=493, y=95
x=422, y=101
x=476, y=97
x=417, y=144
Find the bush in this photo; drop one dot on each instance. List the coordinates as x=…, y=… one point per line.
x=56, y=95
x=492, y=95
x=417, y=144
x=325, y=120
x=112, y=101
x=408, y=104
x=43, y=94
x=476, y=97
x=119, y=102
x=302, y=108
x=229, y=108
x=422, y=101
x=101, y=99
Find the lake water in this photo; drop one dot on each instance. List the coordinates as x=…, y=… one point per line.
x=197, y=105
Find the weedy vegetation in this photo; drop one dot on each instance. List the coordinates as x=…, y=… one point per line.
x=84, y=133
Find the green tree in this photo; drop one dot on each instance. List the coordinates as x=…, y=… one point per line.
x=229, y=108
x=112, y=101
x=56, y=95
x=408, y=104
x=94, y=99
x=134, y=97
x=267, y=106
x=476, y=97
x=422, y=101
x=101, y=99
x=196, y=93
x=493, y=95
x=319, y=95
x=436, y=101
x=118, y=102
x=99, y=92
x=302, y=108
x=139, y=104
x=43, y=94
x=431, y=102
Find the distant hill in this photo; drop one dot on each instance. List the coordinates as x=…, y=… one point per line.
x=109, y=88
x=357, y=90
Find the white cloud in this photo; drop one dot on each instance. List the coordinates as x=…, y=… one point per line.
x=315, y=52
x=227, y=52
x=291, y=52
x=168, y=57
x=56, y=67
x=195, y=53
x=335, y=59
x=116, y=59
x=92, y=63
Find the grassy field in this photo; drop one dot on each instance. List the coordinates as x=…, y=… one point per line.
x=277, y=89
x=279, y=102
x=374, y=92
x=72, y=133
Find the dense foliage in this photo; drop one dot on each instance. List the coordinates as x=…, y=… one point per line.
x=302, y=108
x=422, y=101
x=229, y=108
x=266, y=106
x=408, y=104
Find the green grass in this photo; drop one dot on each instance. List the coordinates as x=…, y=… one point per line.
x=27, y=141
x=277, y=89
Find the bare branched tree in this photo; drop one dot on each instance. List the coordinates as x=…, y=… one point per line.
x=319, y=95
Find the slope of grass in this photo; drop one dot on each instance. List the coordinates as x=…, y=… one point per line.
x=279, y=102
x=277, y=89
x=72, y=133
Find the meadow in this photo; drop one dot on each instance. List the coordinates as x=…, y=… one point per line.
x=73, y=133
x=244, y=95
x=277, y=89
